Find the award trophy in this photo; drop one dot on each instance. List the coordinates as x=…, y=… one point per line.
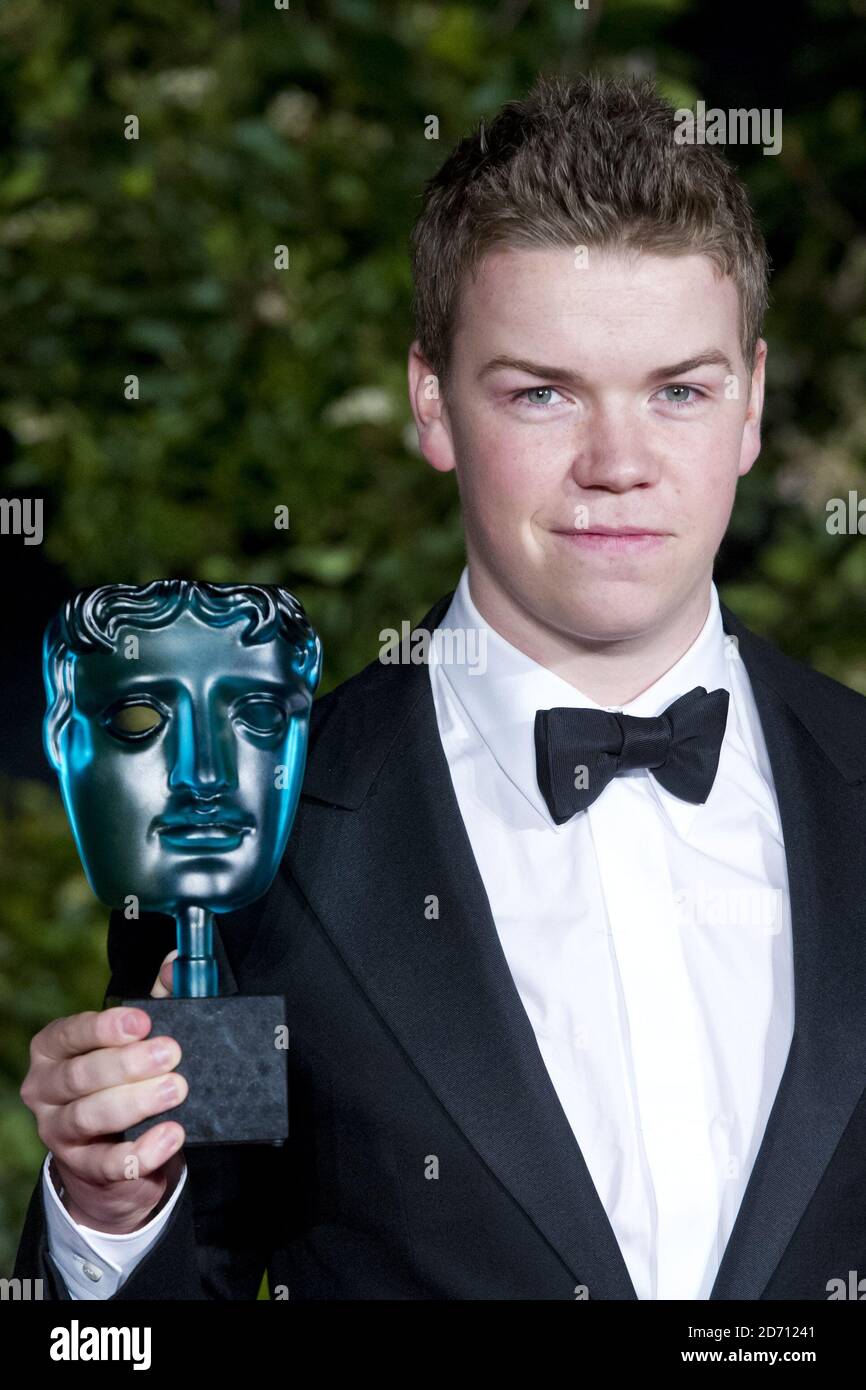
x=177, y=721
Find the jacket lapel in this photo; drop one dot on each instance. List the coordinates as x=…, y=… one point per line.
x=814, y=732
x=370, y=866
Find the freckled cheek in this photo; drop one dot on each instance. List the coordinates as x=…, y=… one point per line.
x=700, y=514
x=704, y=464
x=503, y=486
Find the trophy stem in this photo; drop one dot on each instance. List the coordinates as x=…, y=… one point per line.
x=194, y=975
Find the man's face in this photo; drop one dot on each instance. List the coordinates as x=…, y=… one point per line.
x=181, y=765
x=571, y=404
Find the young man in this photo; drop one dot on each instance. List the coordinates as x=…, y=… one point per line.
x=572, y=942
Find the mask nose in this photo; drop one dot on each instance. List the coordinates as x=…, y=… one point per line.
x=205, y=761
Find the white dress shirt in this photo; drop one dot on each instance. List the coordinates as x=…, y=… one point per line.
x=649, y=940
x=648, y=937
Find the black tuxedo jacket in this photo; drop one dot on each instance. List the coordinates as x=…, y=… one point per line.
x=410, y=1049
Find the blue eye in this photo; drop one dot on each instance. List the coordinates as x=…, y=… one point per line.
x=680, y=404
x=537, y=391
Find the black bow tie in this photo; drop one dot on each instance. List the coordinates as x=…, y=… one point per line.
x=680, y=746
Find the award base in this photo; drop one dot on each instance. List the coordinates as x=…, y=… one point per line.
x=234, y=1064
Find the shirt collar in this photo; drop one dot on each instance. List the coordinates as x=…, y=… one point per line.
x=501, y=692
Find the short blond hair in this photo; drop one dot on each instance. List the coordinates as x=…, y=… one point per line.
x=589, y=161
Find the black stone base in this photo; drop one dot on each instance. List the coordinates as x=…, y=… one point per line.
x=237, y=1075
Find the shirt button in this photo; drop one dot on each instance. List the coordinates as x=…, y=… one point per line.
x=92, y=1271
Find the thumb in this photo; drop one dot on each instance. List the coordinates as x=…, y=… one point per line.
x=162, y=983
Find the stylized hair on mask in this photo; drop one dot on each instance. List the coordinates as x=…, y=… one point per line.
x=92, y=620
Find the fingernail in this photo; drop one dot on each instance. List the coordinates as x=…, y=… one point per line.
x=168, y=1091
x=130, y=1025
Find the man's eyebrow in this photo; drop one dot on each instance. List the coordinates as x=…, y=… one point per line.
x=709, y=357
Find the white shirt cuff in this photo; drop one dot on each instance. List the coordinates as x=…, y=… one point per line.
x=94, y=1264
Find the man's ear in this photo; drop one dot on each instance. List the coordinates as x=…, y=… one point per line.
x=429, y=410
x=750, y=447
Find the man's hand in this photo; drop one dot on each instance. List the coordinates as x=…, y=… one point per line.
x=91, y=1076
x=162, y=983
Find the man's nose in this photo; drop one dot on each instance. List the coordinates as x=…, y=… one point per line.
x=613, y=451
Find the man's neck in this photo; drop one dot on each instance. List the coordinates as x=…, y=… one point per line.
x=612, y=673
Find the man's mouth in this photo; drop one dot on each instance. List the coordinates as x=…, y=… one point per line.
x=627, y=539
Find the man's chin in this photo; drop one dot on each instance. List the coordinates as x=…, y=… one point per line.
x=605, y=617
x=609, y=632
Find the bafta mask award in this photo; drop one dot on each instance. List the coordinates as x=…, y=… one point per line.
x=177, y=721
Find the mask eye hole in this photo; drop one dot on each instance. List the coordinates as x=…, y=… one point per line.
x=134, y=721
x=261, y=715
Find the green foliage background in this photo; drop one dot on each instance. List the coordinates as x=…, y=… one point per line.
x=305, y=127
